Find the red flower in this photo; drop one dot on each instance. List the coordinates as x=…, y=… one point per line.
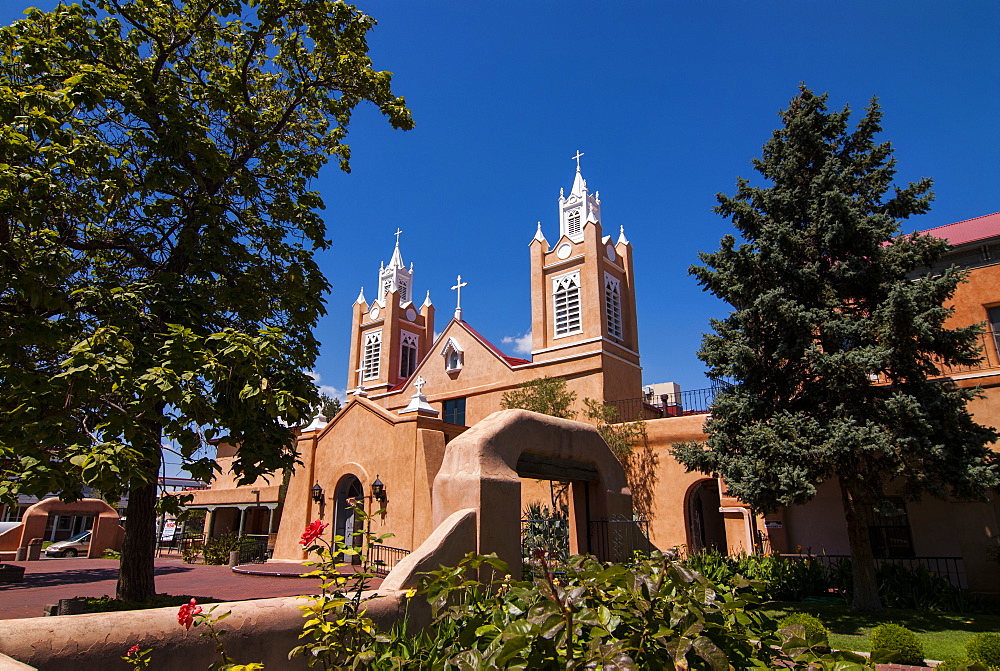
x=313, y=531
x=131, y=651
x=185, y=616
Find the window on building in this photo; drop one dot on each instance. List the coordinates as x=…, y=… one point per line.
x=573, y=223
x=454, y=358
x=889, y=530
x=613, y=306
x=372, y=355
x=566, y=300
x=408, y=354
x=994, y=327
x=13, y=513
x=403, y=291
x=454, y=411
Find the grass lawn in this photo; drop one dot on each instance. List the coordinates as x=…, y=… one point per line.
x=943, y=634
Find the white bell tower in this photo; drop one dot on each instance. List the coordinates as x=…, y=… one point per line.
x=395, y=277
x=579, y=208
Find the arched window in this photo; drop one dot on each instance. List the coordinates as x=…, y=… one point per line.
x=408, y=354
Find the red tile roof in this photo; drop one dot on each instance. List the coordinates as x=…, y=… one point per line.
x=970, y=230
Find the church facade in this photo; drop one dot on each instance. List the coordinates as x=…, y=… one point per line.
x=410, y=394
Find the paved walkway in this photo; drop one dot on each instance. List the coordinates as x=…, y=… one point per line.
x=48, y=580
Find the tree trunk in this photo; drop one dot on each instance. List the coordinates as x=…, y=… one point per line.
x=135, y=575
x=865, y=586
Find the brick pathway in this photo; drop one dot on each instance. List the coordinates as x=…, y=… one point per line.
x=48, y=580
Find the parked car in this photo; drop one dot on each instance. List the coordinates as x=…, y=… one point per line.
x=71, y=547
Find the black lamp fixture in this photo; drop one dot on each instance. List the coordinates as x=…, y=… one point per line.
x=317, y=493
x=378, y=490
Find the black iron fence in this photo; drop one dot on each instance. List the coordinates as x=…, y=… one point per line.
x=950, y=568
x=383, y=558
x=177, y=546
x=253, y=549
x=618, y=541
x=549, y=534
x=691, y=402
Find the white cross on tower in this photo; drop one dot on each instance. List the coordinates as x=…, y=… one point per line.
x=577, y=157
x=398, y=231
x=458, y=304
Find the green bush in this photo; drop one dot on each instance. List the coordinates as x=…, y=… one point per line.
x=984, y=648
x=216, y=550
x=111, y=554
x=652, y=614
x=961, y=664
x=897, y=639
x=107, y=604
x=813, y=626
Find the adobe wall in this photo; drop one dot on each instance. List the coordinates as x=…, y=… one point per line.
x=668, y=522
x=263, y=630
x=971, y=298
x=365, y=441
x=479, y=472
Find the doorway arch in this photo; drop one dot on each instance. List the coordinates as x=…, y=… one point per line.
x=706, y=526
x=344, y=519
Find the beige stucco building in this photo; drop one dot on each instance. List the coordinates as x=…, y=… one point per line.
x=412, y=394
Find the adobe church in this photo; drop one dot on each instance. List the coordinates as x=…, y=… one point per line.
x=410, y=395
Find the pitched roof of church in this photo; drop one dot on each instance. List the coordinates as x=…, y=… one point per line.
x=511, y=360
x=970, y=230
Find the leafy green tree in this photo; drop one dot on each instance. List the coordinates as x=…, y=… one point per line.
x=157, y=233
x=836, y=328
x=628, y=442
x=547, y=395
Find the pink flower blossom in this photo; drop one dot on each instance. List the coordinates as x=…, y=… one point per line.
x=131, y=651
x=185, y=616
x=312, y=532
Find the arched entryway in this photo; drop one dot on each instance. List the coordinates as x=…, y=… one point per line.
x=706, y=525
x=344, y=520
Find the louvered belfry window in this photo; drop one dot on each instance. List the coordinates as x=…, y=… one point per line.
x=373, y=353
x=573, y=223
x=613, y=306
x=566, y=301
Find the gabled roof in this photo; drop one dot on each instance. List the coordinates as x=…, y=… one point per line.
x=511, y=361
x=970, y=230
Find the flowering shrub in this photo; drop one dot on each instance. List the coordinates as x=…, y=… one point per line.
x=341, y=636
x=312, y=532
x=138, y=659
x=187, y=612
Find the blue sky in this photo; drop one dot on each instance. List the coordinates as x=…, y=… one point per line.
x=669, y=101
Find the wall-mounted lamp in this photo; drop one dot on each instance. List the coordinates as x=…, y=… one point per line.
x=378, y=490
x=317, y=493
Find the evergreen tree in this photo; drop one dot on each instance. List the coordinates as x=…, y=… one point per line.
x=329, y=405
x=837, y=326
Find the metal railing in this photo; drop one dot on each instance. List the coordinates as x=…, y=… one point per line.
x=618, y=541
x=989, y=345
x=691, y=402
x=253, y=549
x=383, y=558
x=950, y=568
x=177, y=546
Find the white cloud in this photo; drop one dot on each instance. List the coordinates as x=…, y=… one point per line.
x=325, y=388
x=522, y=344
